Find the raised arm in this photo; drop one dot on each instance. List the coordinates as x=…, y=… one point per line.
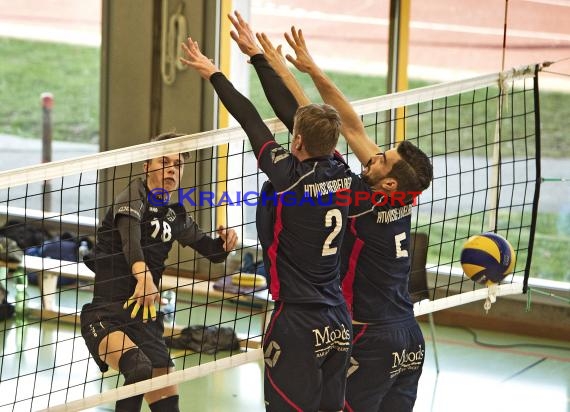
x=236, y=103
x=275, y=58
x=282, y=98
x=352, y=128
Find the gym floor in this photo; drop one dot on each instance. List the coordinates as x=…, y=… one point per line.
x=479, y=371
x=501, y=373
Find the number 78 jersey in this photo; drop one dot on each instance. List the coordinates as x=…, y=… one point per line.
x=300, y=223
x=159, y=225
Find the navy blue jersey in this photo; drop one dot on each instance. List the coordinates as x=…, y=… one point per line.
x=376, y=262
x=160, y=227
x=300, y=225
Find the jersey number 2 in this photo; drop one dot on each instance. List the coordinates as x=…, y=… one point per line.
x=337, y=216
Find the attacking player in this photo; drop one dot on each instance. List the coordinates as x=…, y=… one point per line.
x=132, y=245
x=307, y=342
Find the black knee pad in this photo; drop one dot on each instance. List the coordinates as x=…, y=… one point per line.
x=169, y=404
x=135, y=366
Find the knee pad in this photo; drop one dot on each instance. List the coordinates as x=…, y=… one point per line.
x=135, y=366
x=169, y=404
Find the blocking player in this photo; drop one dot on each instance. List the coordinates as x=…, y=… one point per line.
x=133, y=242
x=388, y=345
x=307, y=342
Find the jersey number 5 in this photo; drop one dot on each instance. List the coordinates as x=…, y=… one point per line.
x=337, y=216
x=166, y=230
x=398, y=239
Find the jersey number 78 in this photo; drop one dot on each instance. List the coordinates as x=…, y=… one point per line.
x=166, y=234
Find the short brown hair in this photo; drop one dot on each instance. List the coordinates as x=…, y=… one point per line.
x=170, y=135
x=319, y=125
x=414, y=171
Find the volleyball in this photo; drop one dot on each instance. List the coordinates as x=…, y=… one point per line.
x=487, y=258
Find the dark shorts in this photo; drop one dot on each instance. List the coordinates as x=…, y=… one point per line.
x=307, y=353
x=100, y=319
x=386, y=365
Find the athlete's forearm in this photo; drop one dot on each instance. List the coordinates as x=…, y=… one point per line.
x=294, y=87
x=130, y=232
x=212, y=249
x=243, y=111
x=279, y=95
x=352, y=128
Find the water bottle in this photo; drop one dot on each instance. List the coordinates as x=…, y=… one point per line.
x=83, y=250
x=19, y=277
x=170, y=305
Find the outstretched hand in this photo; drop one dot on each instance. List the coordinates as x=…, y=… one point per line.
x=243, y=35
x=302, y=60
x=274, y=56
x=195, y=59
x=229, y=236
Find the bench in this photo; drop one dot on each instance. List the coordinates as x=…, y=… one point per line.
x=49, y=271
x=58, y=222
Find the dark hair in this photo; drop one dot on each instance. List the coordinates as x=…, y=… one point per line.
x=414, y=171
x=319, y=125
x=170, y=135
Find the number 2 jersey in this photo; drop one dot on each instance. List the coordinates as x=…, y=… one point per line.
x=300, y=219
x=375, y=263
x=159, y=225
x=301, y=225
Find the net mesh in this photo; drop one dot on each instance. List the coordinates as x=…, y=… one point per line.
x=483, y=140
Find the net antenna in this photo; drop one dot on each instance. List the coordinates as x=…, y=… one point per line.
x=502, y=104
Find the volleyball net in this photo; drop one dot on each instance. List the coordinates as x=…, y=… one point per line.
x=481, y=134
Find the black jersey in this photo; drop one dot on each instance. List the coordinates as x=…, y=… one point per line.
x=376, y=263
x=160, y=226
x=300, y=225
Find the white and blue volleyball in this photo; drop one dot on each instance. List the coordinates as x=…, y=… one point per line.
x=487, y=258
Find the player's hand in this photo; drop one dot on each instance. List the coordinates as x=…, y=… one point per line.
x=274, y=56
x=145, y=296
x=229, y=236
x=243, y=35
x=195, y=59
x=302, y=60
